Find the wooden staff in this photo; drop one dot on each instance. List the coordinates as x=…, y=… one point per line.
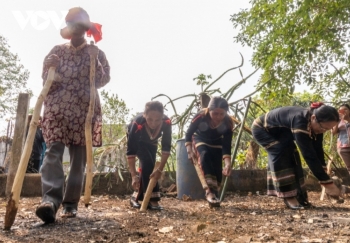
x=152, y=183
x=199, y=173
x=12, y=204
x=88, y=132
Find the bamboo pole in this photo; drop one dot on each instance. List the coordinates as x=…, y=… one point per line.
x=152, y=183
x=237, y=122
x=88, y=132
x=12, y=204
x=223, y=191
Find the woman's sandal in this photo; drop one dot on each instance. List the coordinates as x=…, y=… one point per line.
x=69, y=212
x=134, y=203
x=212, y=200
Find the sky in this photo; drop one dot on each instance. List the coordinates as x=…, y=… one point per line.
x=153, y=46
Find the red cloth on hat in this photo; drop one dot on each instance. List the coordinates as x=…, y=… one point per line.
x=316, y=104
x=96, y=31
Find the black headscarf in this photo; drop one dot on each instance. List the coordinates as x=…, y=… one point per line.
x=218, y=102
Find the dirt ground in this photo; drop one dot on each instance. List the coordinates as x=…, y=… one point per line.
x=242, y=218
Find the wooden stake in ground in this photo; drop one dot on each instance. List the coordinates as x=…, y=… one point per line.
x=88, y=132
x=12, y=204
x=200, y=173
x=152, y=183
x=18, y=141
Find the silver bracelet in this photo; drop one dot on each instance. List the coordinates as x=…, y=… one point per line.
x=159, y=170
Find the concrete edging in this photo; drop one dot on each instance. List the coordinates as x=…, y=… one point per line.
x=240, y=180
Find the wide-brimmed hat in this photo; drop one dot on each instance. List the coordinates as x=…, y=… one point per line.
x=78, y=16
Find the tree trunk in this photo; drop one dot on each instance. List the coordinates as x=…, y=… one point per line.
x=252, y=155
x=204, y=99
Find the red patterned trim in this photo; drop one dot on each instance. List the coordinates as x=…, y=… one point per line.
x=199, y=116
x=316, y=104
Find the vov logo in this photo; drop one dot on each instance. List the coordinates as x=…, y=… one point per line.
x=40, y=20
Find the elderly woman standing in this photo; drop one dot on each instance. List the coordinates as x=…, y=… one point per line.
x=209, y=138
x=277, y=131
x=66, y=107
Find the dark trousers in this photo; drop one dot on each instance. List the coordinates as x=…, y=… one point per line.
x=33, y=166
x=52, y=175
x=210, y=161
x=344, y=153
x=285, y=176
x=147, y=156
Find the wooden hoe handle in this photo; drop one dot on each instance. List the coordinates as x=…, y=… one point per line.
x=200, y=173
x=12, y=204
x=152, y=183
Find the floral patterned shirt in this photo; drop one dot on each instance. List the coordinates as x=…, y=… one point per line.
x=344, y=134
x=67, y=102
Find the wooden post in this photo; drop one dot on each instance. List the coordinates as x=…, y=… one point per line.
x=18, y=139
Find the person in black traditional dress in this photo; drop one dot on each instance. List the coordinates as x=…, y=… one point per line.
x=143, y=134
x=208, y=138
x=38, y=147
x=276, y=131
